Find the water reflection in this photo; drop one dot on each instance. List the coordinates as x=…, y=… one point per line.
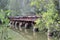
x=30, y=35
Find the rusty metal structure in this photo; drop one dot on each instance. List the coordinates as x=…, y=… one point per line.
x=22, y=21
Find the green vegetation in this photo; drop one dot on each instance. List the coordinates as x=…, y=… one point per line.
x=4, y=16
x=49, y=16
x=4, y=24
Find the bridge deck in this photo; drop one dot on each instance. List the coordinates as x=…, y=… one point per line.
x=28, y=18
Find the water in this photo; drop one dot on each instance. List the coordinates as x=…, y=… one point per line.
x=14, y=34
x=33, y=36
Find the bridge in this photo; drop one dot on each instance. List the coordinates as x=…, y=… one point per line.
x=22, y=21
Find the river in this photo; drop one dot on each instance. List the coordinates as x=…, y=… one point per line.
x=14, y=34
x=29, y=35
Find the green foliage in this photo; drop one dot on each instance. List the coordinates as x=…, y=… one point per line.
x=4, y=16
x=4, y=33
x=48, y=17
x=40, y=24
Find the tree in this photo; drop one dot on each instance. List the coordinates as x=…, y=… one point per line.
x=49, y=16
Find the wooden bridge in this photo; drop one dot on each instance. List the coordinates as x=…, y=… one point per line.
x=22, y=21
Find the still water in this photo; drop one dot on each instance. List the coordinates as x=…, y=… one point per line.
x=26, y=35
x=34, y=36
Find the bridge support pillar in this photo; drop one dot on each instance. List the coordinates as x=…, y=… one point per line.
x=11, y=24
x=26, y=27
x=35, y=29
x=16, y=25
x=20, y=23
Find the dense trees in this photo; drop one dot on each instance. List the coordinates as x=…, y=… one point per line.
x=49, y=14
